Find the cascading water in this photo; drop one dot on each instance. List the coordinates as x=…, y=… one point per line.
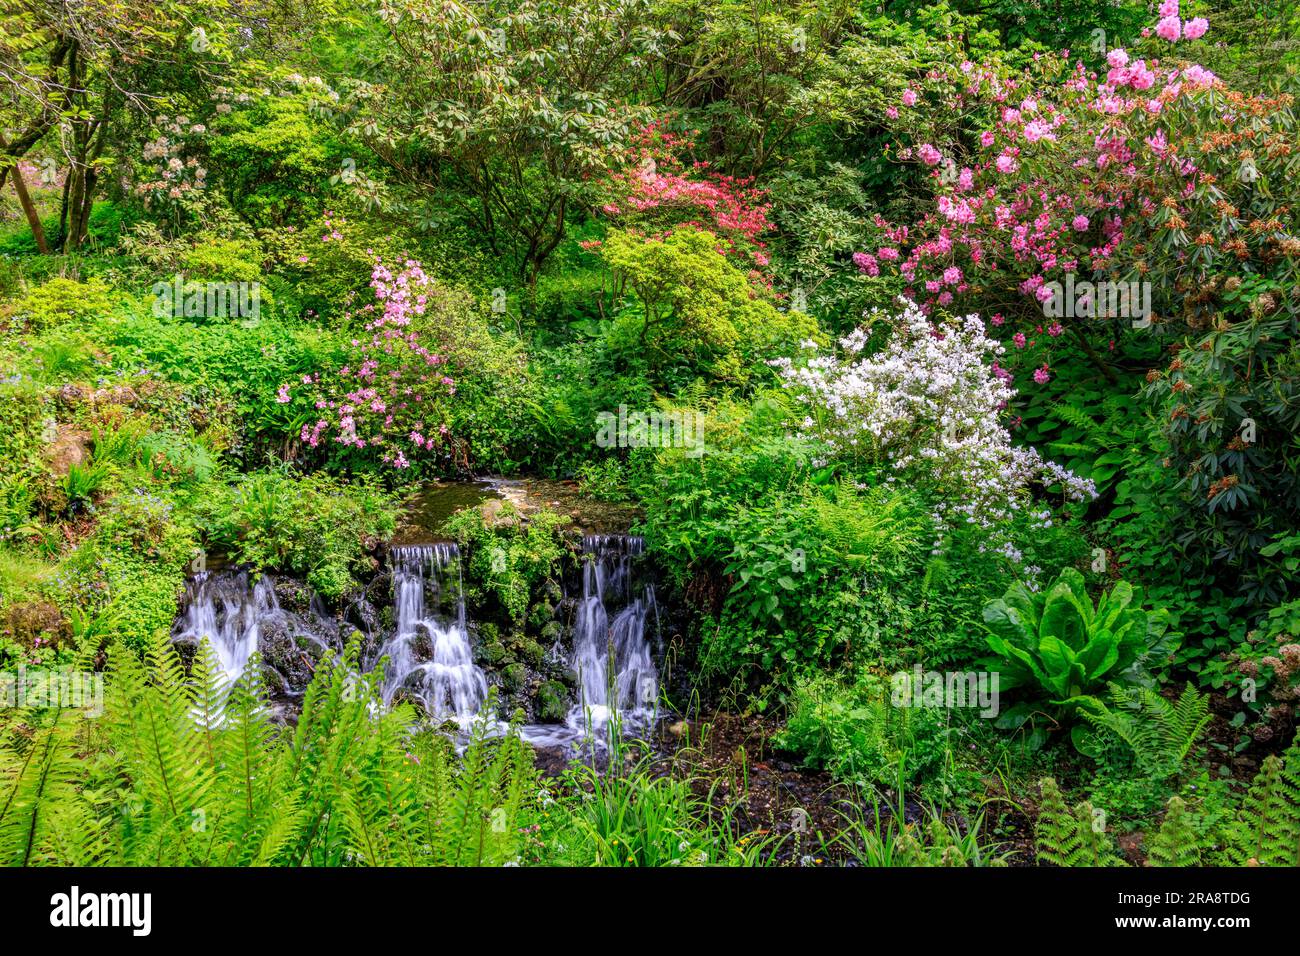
x=234, y=615
x=611, y=656
x=226, y=611
x=429, y=656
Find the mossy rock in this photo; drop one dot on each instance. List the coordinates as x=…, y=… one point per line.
x=552, y=631
x=493, y=652
x=488, y=631
x=552, y=701
x=540, y=615
x=513, y=677
x=532, y=652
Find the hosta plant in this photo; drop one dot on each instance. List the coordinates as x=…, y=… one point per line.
x=1060, y=651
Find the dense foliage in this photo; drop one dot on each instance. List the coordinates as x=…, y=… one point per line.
x=934, y=350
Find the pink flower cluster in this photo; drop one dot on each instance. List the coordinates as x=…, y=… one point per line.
x=1070, y=162
x=658, y=193
x=388, y=399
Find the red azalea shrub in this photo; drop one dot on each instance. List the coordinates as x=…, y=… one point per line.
x=658, y=192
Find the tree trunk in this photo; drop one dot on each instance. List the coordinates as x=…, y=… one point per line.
x=29, y=210
x=25, y=200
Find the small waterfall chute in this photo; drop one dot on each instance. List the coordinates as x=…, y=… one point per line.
x=429, y=656
x=611, y=655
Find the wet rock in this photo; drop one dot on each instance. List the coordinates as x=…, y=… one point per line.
x=290, y=654
x=513, y=677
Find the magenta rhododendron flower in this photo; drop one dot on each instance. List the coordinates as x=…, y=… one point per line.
x=1195, y=28
x=928, y=154
x=1080, y=223
x=1170, y=28
x=1042, y=376
x=909, y=97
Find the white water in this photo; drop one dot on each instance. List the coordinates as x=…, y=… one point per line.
x=429, y=657
x=611, y=656
x=228, y=612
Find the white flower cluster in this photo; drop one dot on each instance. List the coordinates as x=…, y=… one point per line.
x=929, y=405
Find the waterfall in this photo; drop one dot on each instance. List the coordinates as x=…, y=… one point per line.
x=223, y=608
x=429, y=655
x=428, y=650
x=611, y=655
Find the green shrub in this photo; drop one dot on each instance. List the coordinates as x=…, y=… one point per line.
x=61, y=302
x=311, y=525
x=509, y=559
x=1063, y=652
x=861, y=736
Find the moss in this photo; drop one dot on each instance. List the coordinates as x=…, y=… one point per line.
x=513, y=677
x=552, y=701
x=531, y=651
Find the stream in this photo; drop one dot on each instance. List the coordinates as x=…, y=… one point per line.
x=599, y=668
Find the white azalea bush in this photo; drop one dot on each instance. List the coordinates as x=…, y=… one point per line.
x=929, y=406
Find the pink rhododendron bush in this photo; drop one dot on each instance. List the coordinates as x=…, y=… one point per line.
x=1152, y=174
x=390, y=399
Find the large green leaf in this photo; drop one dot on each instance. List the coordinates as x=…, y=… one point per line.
x=1059, y=663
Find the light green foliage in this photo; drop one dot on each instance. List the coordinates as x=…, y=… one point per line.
x=1266, y=829
x=877, y=837
x=696, y=312
x=1072, y=836
x=507, y=559
x=311, y=525
x=190, y=772
x=1262, y=829
x=60, y=302
x=865, y=738
x=276, y=160
x=1157, y=736
x=631, y=816
x=1175, y=843
x=229, y=363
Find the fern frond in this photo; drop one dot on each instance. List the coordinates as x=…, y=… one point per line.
x=1176, y=843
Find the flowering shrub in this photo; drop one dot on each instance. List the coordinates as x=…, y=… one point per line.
x=928, y=405
x=174, y=168
x=389, y=398
x=659, y=193
x=1151, y=172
